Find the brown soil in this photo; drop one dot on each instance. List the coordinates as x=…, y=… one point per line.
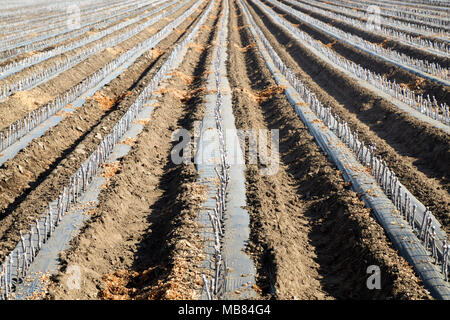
x=39, y=172
x=148, y=243
x=421, y=163
x=311, y=236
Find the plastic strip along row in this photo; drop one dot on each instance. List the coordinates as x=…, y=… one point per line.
x=215, y=287
x=430, y=68
x=66, y=63
x=19, y=65
x=424, y=224
x=23, y=126
x=56, y=50
x=407, y=24
x=350, y=17
x=17, y=262
x=425, y=105
x=47, y=30
x=51, y=39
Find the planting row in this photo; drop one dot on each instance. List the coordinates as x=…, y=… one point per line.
x=391, y=30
